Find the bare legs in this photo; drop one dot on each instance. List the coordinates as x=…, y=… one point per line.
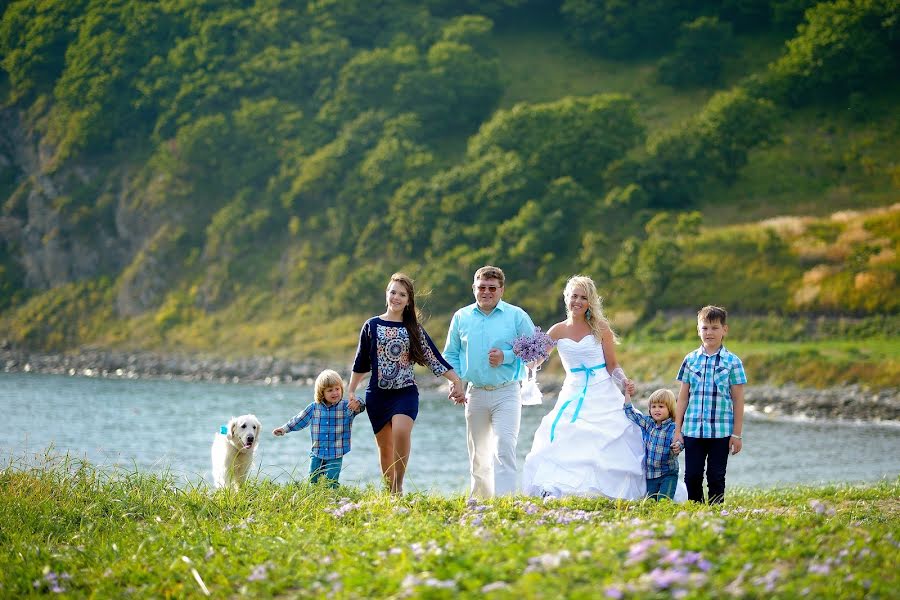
x=394, y=443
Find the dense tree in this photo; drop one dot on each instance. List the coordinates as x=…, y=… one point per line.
x=699, y=54
x=844, y=46
x=575, y=137
x=96, y=93
x=712, y=145
x=623, y=29
x=33, y=41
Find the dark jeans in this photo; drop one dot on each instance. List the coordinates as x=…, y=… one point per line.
x=711, y=454
x=329, y=467
x=663, y=486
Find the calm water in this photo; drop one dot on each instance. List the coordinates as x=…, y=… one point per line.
x=169, y=425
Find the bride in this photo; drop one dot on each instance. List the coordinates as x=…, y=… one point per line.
x=586, y=446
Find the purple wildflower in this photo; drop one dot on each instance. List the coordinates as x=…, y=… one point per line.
x=259, y=573
x=664, y=578
x=822, y=508
x=613, y=592
x=638, y=551
x=52, y=582
x=493, y=587
x=343, y=509
x=547, y=562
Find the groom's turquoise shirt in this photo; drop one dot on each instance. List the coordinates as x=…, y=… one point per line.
x=472, y=335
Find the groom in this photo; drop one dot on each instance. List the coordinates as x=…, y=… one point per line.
x=479, y=348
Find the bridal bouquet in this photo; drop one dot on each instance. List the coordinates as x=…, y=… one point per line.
x=531, y=348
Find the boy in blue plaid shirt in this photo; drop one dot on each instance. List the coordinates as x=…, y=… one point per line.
x=709, y=415
x=661, y=451
x=329, y=419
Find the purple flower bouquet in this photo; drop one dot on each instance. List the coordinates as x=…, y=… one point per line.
x=533, y=347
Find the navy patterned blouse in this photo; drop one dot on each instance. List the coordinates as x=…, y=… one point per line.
x=384, y=350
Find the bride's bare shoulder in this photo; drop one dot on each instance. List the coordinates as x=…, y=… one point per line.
x=558, y=330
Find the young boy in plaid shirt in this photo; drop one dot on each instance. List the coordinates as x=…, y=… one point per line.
x=661, y=450
x=329, y=419
x=709, y=415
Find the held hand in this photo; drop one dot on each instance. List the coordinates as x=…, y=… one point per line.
x=629, y=387
x=495, y=357
x=353, y=403
x=678, y=439
x=677, y=447
x=278, y=431
x=736, y=445
x=457, y=393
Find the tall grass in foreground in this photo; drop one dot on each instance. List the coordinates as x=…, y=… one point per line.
x=67, y=527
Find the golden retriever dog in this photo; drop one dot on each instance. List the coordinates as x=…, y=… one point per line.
x=233, y=450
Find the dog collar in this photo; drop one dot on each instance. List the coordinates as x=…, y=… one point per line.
x=223, y=429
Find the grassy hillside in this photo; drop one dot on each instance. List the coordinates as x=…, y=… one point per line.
x=823, y=159
x=540, y=64
x=271, y=188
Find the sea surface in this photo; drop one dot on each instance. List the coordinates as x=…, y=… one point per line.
x=168, y=426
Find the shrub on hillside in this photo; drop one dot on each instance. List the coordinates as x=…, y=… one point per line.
x=699, y=54
x=576, y=137
x=626, y=29
x=712, y=145
x=843, y=46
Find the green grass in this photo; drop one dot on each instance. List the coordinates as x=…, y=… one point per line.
x=818, y=163
x=874, y=363
x=540, y=65
x=68, y=528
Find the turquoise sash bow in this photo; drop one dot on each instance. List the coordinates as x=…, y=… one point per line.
x=588, y=371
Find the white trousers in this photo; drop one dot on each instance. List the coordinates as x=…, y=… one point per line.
x=492, y=430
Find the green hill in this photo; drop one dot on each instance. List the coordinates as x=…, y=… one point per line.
x=243, y=177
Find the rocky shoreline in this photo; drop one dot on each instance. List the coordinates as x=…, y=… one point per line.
x=848, y=403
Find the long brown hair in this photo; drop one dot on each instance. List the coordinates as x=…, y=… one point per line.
x=411, y=319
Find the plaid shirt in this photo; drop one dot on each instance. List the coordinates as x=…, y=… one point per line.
x=710, y=412
x=657, y=443
x=329, y=427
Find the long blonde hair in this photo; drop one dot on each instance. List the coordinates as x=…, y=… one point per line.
x=594, y=315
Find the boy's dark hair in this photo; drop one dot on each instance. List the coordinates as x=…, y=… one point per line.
x=711, y=314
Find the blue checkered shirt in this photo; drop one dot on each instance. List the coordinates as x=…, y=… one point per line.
x=710, y=412
x=329, y=427
x=660, y=460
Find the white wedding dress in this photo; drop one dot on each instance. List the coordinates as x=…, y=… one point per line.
x=586, y=446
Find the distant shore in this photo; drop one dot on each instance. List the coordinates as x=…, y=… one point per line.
x=849, y=402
